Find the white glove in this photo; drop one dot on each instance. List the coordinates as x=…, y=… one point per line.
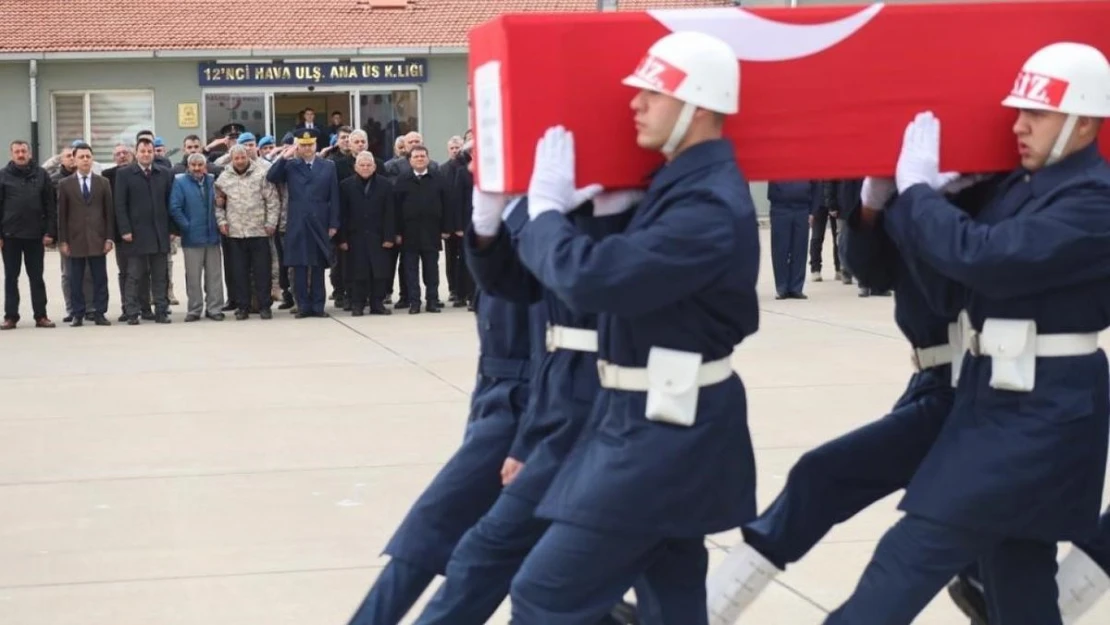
x=552, y=184
x=876, y=192
x=486, y=214
x=616, y=202
x=919, y=161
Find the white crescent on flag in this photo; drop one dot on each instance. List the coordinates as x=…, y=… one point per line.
x=755, y=38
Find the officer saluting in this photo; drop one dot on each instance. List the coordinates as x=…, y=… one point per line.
x=311, y=221
x=674, y=293
x=1019, y=464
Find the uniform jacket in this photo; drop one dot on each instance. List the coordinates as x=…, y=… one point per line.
x=252, y=203
x=681, y=275
x=799, y=195
x=85, y=226
x=312, y=209
x=193, y=208
x=1022, y=464
x=142, y=209
x=28, y=204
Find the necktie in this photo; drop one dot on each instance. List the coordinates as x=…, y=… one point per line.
x=146, y=172
x=85, y=188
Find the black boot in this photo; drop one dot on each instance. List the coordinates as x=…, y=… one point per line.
x=969, y=600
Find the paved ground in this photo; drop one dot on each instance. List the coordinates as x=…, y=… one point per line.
x=249, y=473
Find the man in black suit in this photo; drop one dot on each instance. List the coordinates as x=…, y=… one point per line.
x=142, y=194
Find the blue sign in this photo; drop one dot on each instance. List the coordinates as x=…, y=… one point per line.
x=304, y=74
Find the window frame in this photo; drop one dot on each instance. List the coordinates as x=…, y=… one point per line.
x=86, y=95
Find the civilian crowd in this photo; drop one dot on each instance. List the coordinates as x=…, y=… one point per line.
x=258, y=223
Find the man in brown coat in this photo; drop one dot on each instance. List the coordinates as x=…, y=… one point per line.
x=86, y=224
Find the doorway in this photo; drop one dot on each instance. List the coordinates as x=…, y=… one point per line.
x=288, y=108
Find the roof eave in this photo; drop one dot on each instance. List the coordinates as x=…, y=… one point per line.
x=235, y=53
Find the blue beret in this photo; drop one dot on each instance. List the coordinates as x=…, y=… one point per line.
x=265, y=141
x=246, y=137
x=158, y=143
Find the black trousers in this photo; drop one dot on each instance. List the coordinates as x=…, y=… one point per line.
x=340, y=274
x=466, y=282
x=18, y=253
x=817, y=239
x=397, y=272
x=370, y=286
x=144, y=283
x=229, y=271
x=429, y=264
x=283, y=271
x=452, y=251
x=152, y=269
x=250, y=261
x=98, y=269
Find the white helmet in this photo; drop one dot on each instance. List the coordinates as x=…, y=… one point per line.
x=697, y=69
x=1065, y=77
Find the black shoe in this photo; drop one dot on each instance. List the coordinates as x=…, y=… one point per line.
x=969, y=600
x=302, y=315
x=162, y=318
x=401, y=304
x=321, y=314
x=76, y=323
x=286, y=301
x=414, y=309
x=797, y=296
x=67, y=319
x=781, y=296
x=864, y=292
x=147, y=315
x=241, y=315
x=230, y=307
x=90, y=316
x=434, y=307
x=266, y=313
x=132, y=321
x=357, y=312
x=101, y=321
x=189, y=318
x=881, y=293
x=379, y=309
x=124, y=318
x=459, y=303
x=341, y=302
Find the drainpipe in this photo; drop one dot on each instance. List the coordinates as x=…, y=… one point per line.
x=34, y=76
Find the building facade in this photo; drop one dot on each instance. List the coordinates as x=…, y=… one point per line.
x=108, y=98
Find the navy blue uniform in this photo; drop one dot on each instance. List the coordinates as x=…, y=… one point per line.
x=1012, y=472
x=791, y=205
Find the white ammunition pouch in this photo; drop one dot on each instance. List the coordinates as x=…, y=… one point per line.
x=1013, y=346
x=577, y=339
x=672, y=380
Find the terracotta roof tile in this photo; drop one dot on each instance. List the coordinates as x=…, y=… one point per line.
x=121, y=25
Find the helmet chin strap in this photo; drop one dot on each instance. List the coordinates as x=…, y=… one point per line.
x=681, y=125
x=1062, y=139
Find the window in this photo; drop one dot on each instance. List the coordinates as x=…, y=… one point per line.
x=221, y=109
x=387, y=115
x=103, y=118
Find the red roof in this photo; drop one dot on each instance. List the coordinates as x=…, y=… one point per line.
x=142, y=25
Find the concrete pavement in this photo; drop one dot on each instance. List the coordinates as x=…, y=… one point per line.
x=249, y=473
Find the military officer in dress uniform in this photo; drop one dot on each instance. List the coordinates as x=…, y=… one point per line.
x=311, y=221
x=674, y=292
x=1019, y=463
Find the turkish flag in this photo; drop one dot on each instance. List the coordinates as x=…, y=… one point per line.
x=825, y=92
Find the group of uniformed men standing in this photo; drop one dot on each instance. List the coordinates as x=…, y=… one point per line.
x=608, y=432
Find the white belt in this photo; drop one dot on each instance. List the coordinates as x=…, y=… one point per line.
x=636, y=378
x=577, y=339
x=929, y=357
x=1048, y=345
